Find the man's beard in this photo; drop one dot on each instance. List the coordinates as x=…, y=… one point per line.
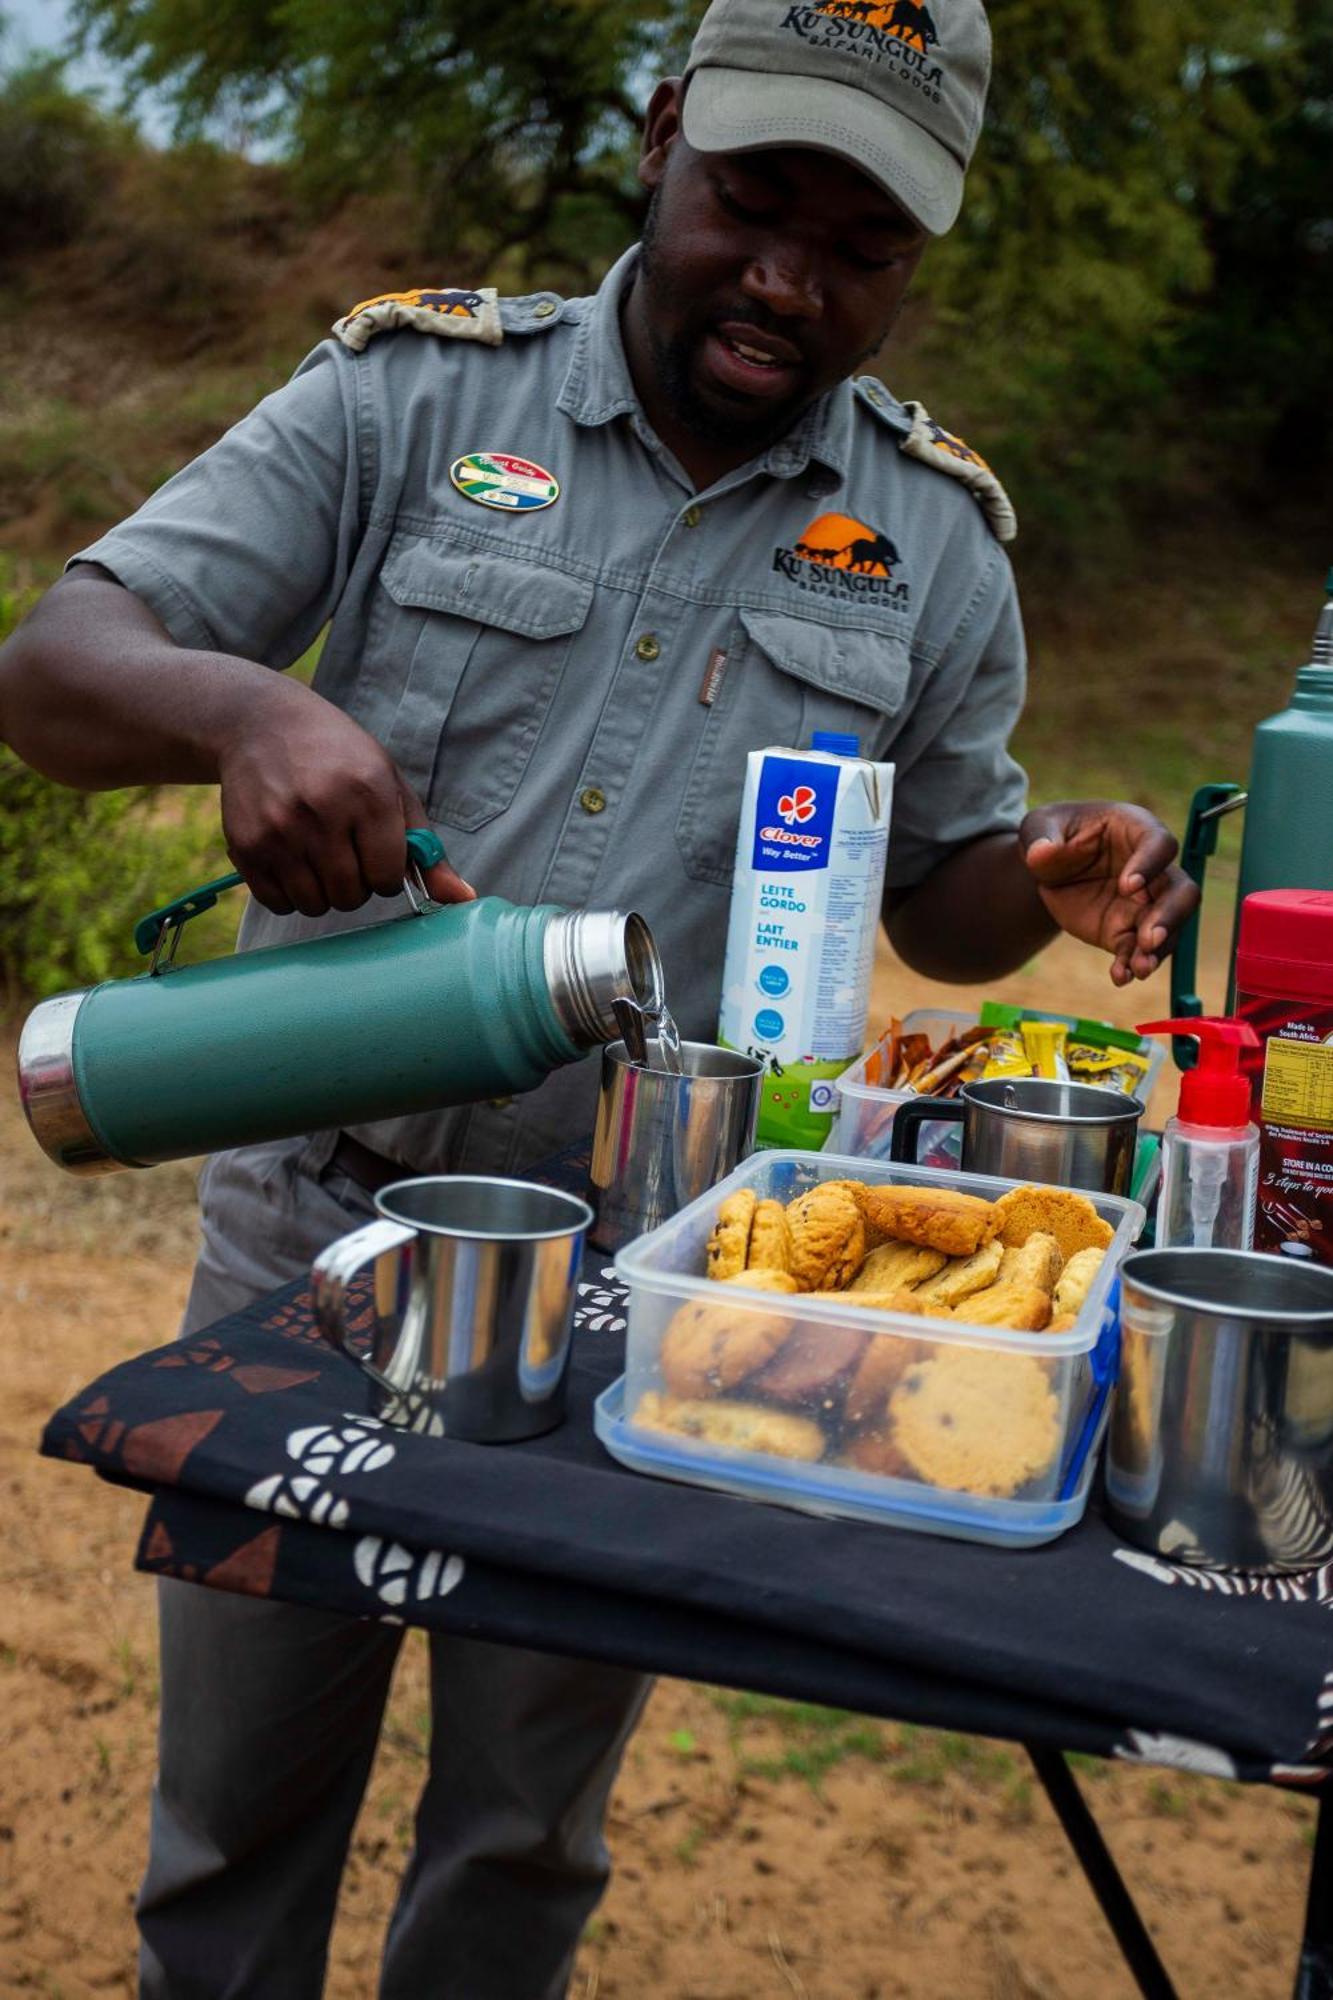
x=673, y=356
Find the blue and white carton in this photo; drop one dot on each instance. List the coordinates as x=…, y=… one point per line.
x=805, y=906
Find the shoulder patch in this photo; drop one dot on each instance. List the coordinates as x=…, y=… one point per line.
x=930, y=442
x=452, y=315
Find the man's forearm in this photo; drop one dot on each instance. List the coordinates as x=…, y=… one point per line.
x=95, y=693
x=976, y=916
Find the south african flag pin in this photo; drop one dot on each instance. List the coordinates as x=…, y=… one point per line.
x=495, y=479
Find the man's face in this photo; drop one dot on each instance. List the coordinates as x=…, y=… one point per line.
x=766, y=278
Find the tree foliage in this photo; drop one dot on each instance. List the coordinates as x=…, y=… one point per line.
x=516, y=122
x=1148, y=230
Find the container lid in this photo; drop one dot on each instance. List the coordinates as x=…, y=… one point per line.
x=836, y=743
x=1294, y=925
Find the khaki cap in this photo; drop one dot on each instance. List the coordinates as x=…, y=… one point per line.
x=895, y=87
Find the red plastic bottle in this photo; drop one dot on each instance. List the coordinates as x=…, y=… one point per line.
x=1284, y=989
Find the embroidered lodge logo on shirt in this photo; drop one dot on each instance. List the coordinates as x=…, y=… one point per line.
x=837, y=556
x=899, y=33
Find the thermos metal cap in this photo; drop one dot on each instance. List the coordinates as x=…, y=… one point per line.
x=593, y=958
x=49, y=1093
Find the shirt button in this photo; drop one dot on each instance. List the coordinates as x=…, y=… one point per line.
x=692, y=516
x=543, y=309
x=592, y=800
x=648, y=647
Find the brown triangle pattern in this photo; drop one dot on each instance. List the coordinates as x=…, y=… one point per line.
x=249, y=1568
x=159, y=1449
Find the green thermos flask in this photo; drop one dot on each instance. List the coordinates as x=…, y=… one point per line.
x=448, y=1004
x=1288, y=840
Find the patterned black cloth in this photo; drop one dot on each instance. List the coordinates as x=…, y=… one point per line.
x=269, y=1476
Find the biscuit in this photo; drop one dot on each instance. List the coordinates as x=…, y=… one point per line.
x=1024, y=1308
x=811, y=1367
x=1070, y=1218
x=877, y=1451
x=1061, y=1323
x=1075, y=1280
x=884, y=1363
x=874, y=1237
x=770, y=1238
x=976, y=1420
x=710, y=1348
x=732, y=1426
x=936, y=1217
x=828, y=1237
x=962, y=1276
x=895, y=1266
x=729, y=1244
x=1037, y=1262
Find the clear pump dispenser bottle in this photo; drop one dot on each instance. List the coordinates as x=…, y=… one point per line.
x=1210, y=1149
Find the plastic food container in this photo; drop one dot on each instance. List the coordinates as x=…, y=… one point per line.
x=864, y=1123
x=1032, y=1404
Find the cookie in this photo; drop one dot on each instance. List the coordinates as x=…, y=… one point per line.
x=961, y=1276
x=896, y=1266
x=708, y=1348
x=883, y=1365
x=976, y=1420
x=1037, y=1262
x=878, y=1451
x=828, y=1238
x=1075, y=1281
x=729, y=1244
x=1070, y=1218
x=810, y=1369
x=770, y=1238
x=732, y=1426
x=1024, y=1308
x=936, y=1217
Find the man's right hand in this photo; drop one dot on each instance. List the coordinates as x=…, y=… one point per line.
x=95, y=693
x=315, y=812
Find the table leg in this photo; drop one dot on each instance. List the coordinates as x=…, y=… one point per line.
x=1314, y=1978
x=1104, y=1878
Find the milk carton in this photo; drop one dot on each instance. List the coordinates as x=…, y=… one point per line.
x=805, y=906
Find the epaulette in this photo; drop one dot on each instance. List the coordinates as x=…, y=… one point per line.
x=935, y=446
x=452, y=315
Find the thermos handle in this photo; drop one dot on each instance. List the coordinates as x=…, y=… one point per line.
x=1209, y=804
x=333, y=1271
x=424, y=849
x=904, y=1139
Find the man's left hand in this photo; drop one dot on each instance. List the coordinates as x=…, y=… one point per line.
x=1106, y=874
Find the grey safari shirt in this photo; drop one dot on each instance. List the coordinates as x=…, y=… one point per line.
x=573, y=691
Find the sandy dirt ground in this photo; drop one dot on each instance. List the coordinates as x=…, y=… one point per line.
x=761, y=1849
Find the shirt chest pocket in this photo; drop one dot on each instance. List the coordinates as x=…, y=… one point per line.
x=784, y=678
x=466, y=654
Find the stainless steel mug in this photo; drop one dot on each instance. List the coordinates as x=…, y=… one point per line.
x=474, y=1288
x=1028, y=1128
x=1222, y=1432
x=661, y=1140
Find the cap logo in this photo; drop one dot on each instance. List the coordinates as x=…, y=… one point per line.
x=898, y=33
x=903, y=18
x=840, y=557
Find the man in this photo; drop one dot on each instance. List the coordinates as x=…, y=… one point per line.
x=574, y=565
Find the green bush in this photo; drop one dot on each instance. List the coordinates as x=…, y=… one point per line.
x=55, y=152
x=77, y=868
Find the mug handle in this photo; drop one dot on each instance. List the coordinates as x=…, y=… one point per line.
x=904, y=1139
x=333, y=1271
